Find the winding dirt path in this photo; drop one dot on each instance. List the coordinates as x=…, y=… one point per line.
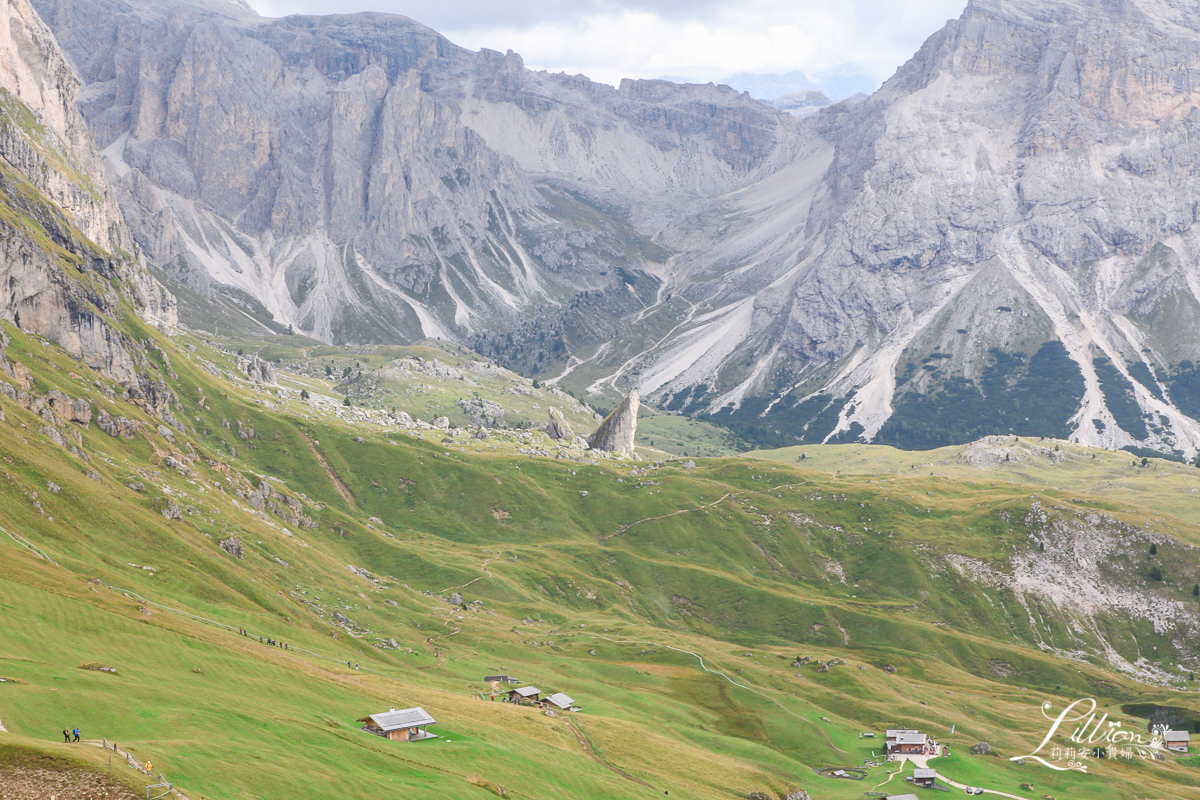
x=591, y=753
x=342, y=489
x=486, y=574
x=629, y=525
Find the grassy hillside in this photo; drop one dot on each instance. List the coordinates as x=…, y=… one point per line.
x=683, y=607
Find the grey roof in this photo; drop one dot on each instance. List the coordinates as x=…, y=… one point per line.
x=1176, y=736
x=893, y=731
x=405, y=718
x=902, y=797
x=561, y=700
x=924, y=773
x=910, y=738
x=526, y=691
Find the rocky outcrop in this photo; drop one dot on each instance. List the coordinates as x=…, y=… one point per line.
x=616, y=433
x=257, y=370
x=487, y=413
x=557, y=427
x=65, y=254
x=233, y=546
x=117, y=426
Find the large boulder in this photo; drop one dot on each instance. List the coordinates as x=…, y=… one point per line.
x=257, y=370
x=616, y=433
x=558, y=427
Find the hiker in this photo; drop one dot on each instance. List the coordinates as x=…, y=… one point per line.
x=76, y=732
x=66, y=736
x=149, y=766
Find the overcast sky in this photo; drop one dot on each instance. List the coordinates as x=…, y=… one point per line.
x=703, y=39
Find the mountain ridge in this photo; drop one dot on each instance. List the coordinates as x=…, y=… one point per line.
x=725, y=259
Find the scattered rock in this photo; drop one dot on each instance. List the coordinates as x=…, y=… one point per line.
x=442, y=423
x=456, y=599
x=168, y=508
x=233, y=546
x=94, y=667
x=479, y=411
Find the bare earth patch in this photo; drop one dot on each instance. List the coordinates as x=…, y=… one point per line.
x=33, y=783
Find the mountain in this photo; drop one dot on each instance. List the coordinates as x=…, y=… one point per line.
x=212, y=564
x=803, y=103
x=839, y=83
x=365, y=180
x=68, y=261
x=999, y=240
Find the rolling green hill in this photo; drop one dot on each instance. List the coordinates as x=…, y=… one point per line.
x=684, y=607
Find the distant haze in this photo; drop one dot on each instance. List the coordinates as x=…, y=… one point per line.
x=840, y=46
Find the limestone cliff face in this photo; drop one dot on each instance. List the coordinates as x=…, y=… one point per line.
x=1017, y=204
x=367, y=180
x=66, y=258
x=1012, y=217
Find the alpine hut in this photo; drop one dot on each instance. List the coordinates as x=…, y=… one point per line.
x=405, y=725
x=561, y=700
x=906, y=742
x=524, y=694
x=1176, y=740
x=924, y=778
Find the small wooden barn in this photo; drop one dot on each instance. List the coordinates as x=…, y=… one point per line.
x=924, y=778
x=499, y=679
x=1176, y=740
x=405, y=725
x=527, y=694
x=561, y=700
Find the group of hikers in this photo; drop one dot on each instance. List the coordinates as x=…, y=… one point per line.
x=67, y=735
x=271, y=642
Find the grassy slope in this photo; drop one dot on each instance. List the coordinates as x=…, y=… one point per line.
x=571, y=600
x=1160, y=489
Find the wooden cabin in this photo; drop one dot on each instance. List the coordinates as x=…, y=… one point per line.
x=1176, y=741
x=561, y=700
x=924, y=778
x=527, y=694
x=405, y=725
x=499, y=679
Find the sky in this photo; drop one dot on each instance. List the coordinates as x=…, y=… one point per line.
x=703, y=40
